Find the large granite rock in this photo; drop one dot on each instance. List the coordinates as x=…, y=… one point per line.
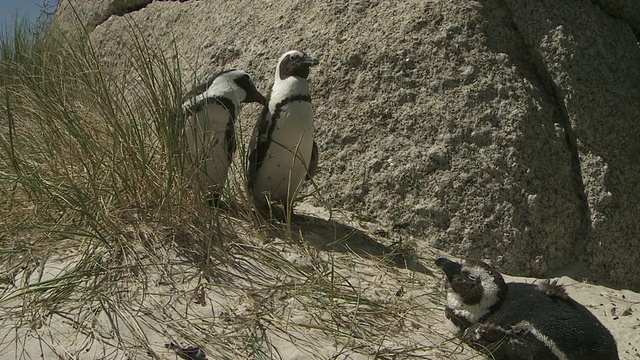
x=500, y=129
x=592, y=63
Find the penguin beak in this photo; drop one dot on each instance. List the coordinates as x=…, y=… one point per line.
x=263, y=100
x=310, y=61
x=253, y=95
x=450, y=268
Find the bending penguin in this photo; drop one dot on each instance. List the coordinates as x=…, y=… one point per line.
x=282, y=152
x=520, y=321
x=211, y=109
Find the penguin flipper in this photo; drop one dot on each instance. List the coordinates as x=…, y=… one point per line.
x=515, y=343
x=487, y=338
x=258, y=146
x=490, y=333
x=313, y=163
x=230, y=139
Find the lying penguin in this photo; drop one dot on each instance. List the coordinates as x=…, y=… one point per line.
x=520, y=321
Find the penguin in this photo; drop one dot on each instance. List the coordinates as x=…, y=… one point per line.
x=520, y=321
x=210, y=114
x=282, y=151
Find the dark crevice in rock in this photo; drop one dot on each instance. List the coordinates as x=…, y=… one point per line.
x=561, y=116
x=129, y=9
x=572, y=143
x=119, y=9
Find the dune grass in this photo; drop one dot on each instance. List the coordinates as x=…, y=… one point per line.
x=102, y=234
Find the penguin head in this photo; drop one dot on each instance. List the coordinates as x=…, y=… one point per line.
x=237, y=86
x=294, y=63
x=474, y=288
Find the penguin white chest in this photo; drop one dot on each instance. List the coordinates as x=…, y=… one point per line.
x=285, y=164
x=206, y=136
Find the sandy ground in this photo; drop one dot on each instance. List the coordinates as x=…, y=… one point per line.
x=166, y=312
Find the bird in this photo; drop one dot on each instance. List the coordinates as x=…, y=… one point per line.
x=282, y=150
x=210, y=111
x=520, y=321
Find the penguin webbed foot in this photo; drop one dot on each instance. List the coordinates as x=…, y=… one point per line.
x=214, y=199
x=270, y=211
x=515, y=343
x=278, y=214
x=489, y=333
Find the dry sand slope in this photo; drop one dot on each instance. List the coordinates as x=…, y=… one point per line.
x=377, y=308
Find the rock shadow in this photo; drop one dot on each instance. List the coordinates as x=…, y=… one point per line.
x=592, y=95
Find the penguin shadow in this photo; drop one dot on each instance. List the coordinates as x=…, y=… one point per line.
x=331, y=235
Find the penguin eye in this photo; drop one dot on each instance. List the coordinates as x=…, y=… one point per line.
x=468, y=276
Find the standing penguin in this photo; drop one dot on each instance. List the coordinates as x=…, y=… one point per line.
x=282, y=152
x=211, y=109
x=520, y=321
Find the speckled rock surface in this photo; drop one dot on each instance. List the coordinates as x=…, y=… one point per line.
x=593, y=65
x=505, y=130
x=626, y=10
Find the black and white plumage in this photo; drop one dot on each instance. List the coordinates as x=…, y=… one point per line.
x=211, y=109
x=520, y=321
x=282, y=152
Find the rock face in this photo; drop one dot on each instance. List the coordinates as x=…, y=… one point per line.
x=593, y=65
x=502, y=129
x=627, y=10
x=93, y=13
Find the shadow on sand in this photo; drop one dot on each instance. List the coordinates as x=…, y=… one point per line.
x=330, y=235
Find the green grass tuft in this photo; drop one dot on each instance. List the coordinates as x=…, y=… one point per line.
x=107, y=250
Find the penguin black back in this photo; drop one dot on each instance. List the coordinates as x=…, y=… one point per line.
x=574, y=330
x=521, y=321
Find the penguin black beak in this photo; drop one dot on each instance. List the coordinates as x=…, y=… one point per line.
x=450, y=268
x=253, y=95
x=263, y=100
x=310, y=61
